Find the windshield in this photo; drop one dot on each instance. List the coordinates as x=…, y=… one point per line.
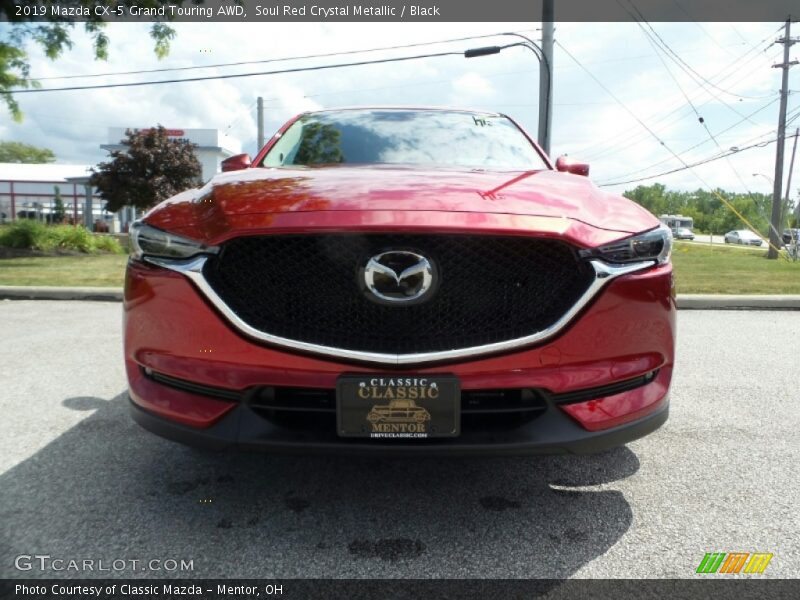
x=405, y=137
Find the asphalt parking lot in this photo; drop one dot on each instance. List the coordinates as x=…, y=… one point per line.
x=79, y=480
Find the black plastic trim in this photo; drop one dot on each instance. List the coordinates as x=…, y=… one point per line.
x=586, y=394
x=194, y=388
x=554, y=433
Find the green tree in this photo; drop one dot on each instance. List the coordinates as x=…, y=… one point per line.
x=17, y=152
x=58, y=206
x=54, y=34
x=710, y=214
x=651, y=197
x=321, y=145
x=150, y=169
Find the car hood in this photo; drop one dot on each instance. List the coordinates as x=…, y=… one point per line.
x=252, y=198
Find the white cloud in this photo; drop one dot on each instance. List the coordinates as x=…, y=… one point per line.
x=473, y=85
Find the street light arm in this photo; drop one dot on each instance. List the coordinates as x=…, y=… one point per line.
x=768, y=178
x=540, y=56
x=537, y=50
x=487, y=50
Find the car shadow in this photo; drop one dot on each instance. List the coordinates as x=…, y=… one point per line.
x=106, y=489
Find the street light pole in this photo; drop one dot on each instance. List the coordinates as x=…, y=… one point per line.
x=789, y=179
x=260, y=119
x=546, y=74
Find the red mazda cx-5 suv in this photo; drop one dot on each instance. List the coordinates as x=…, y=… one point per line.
x=400, y=281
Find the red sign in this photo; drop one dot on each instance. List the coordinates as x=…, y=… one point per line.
x=169, y=132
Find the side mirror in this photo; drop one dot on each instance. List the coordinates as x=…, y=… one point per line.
x=236, y=162
x=567, y=165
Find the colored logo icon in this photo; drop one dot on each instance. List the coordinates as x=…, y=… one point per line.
x=733, y=563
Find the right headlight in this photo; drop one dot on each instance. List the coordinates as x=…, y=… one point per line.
x=149, y=241
x=653, y=245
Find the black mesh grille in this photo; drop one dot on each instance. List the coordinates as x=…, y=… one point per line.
x=306, y=288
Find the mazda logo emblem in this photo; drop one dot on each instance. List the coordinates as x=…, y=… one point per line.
x=398, y=276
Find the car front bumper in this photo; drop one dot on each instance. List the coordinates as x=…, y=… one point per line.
x=553, y=433
x=626, y=332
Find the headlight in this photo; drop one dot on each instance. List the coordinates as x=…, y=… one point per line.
x=149, y=241
x=654, y=245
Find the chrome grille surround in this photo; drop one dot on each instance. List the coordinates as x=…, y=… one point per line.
x=192, y=269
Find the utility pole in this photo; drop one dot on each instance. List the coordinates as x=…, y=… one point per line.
x=260, y=119
x=546, y=76
x=774, y=238
x=791, y=170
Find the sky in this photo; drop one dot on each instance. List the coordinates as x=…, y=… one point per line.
x=624, y=107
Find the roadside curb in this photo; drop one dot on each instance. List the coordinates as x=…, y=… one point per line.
x=685, y=301
x=735, y=302
x=24, y=292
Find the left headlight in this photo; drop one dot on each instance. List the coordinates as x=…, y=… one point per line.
x=149, y=241
x=653, y=245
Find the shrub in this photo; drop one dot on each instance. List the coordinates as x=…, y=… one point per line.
x=69, y=237
x=107, y=243
x=24, y=233
x=34, y=235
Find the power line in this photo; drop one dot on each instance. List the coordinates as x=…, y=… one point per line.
x=700, y=27
x=700, y=119
x=274, y=60
x=614, y=97
x=656, y=40
x=241, y=75
x=626, y=139
x=795, y=115
x=680, y=62
x=717, y=156
x=687, y=166
x=663, y=122
x=690, y=148
x=228, y=127
x=342, y=53
x=736, y=65
x=660, y=141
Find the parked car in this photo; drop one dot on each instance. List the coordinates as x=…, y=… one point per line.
x=682, y=233
x=788, y=234
x=743, y=236
x=428, y=255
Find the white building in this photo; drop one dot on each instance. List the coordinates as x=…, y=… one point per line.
x=208, y=148
x=29, y=190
